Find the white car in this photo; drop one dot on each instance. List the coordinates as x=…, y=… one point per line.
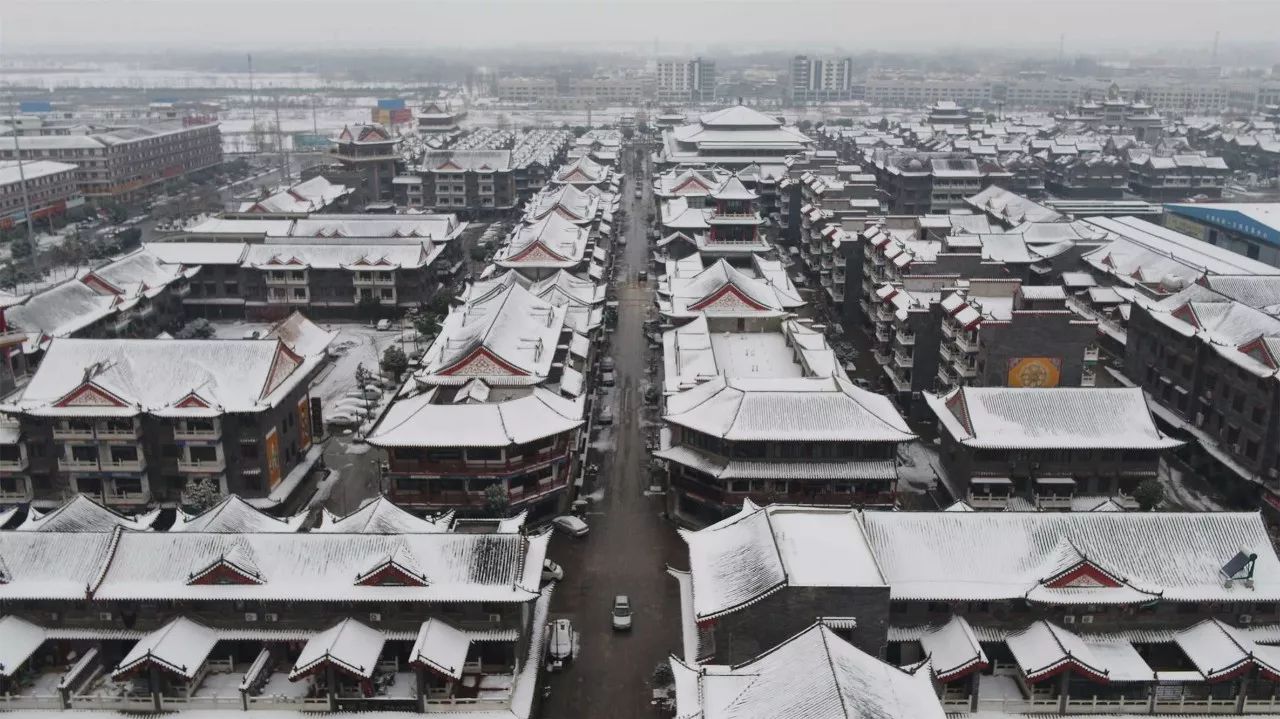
x=551, y=572
x=383, y=325
x=621, y=612
x=340, y=419
x=571, y=525
x=561, y=643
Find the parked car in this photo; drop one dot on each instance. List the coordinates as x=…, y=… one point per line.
x=551, y=572
x=606, y=364
x=863, y=383
x=621, y=612
x=572, y=526
x=383, y=325
x=562, y=644
x=341, y=419
x=607, y=379
x=605, y=416
x=643, y=275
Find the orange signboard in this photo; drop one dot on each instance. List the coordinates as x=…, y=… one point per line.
x=1034, y=371
x=304, y=422
x=273, y=459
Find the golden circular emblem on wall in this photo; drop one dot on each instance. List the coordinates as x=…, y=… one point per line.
x=1033, y=372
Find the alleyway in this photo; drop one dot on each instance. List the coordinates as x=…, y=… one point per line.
x=630, y=542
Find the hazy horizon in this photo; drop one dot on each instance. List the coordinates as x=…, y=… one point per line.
x=818, y=26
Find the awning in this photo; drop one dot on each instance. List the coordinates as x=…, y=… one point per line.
x=180, y=647
x=1221, y=652
x=1003, y=481
x=441, y=648
x=349, y=646
x=19, y=639
x=1061, y=481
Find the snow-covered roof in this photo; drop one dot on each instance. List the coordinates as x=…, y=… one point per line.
x=349, y=646
x=367, y=257
x=1248, y=338
x=441, y=648
x=813, y=675
x=573, y=204
x=281, y=566
x=1070, y=558
x=19, y=639
x=1219, y=651
x=1049, y=418
x=722, y=289
x=954, y=650
x=553, y=241
x=82, y=514
x=686, y=181
x=422, y=421
x=1044, y=649
x=198, y=253
x=478, y=160
x=582, y=171
x=381, y=516
x=302, y=335
x=179, y=647
x=506, y=336
x=741, y=560
x=234, y=515
x=795, y=409
x=1011, y=207
x=305, y=197
x=126, y=377
x=1149, y=253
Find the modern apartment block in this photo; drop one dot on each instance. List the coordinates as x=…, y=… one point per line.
x=604, y=92
x=122, y=162
x=132, y=422
x=482, y=182
x=820, y=79
x=1208, y=357
x=50, y=188
x=686, y=81
x=526, y=89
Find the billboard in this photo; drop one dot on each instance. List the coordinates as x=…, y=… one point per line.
x=391, y=104
x=304, y=422
x=1034, y=371
x=273, y=459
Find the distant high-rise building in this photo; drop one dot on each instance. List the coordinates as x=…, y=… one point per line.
x=686, y=80
x=815, y=79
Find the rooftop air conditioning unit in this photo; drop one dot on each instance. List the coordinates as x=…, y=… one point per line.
x=375, y=617
x=251, y=616
x=271, y=617
x=1086, y=619
x=104, y=616
x=1245, y=619
x=1069, y=619
x=495, y=618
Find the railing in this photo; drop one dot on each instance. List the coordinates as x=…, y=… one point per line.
x=902, y=360
x=472, y=703
x=200, y=702
x=77, y=464
x=989, y=501
x=121, y=703
x=13, y=465
x=476, y=466
x=108, y=432
x=1105, y=704
x=201, y=465
x=965, y=343
x=282, y=702
x=1091, y=354
x=29, y=701
x=1266, y=705
x=180, y=432
x=136, y=464
x=1183, y=705
x=114, y=496
x=72, y=432
x=1053, y=502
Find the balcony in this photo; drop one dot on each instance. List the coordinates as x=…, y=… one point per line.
x=902, y=360
x=181, y=290
x=906, y=339
x=108, y=432
x=965, y=342
x=185, y=431
x=72, y=464
x=966, y=370
x=114, y=464
x=190, y=464
x=121, y=322
x=901, y=382
x=1090, y=354
x=997, y=502
x=15, y=464
x=476, y=467
x=15, y=489
x=130, y=493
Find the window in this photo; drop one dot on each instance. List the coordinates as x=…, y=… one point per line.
x=249, y=450
x=299, y=293
x=484, y=454
x=84, y=453
x=232, y=289
x=124, y=454
x=203, y=455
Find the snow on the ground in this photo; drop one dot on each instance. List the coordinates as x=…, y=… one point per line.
x=1179, y=494
x=920, y=468
x=324, y=489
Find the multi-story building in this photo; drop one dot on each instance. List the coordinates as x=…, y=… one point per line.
x=1145, y=613
x=131, y=422
x=50, y=189
x=479, y=182
x=526, y=89
x=1048, y=449
x=920, y=183
x=1208, y=356
x=817, y=440
x=820, y=79
x=217, y=621
x=603, y=92
x=731, y=298
x=122, y=162
x=308, y=197
x=1180, y=177
x=719, y=221
x=367, y=155
x=686, y=81
x=491, y=420
x=1252, y=230
x=1092, y=176
x=439, y=118
x=733, y=137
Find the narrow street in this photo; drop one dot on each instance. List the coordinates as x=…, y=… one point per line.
x=630, y=542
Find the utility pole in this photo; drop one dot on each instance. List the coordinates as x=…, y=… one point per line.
x=22, y=184
x=1214, y=59
x=253, y=111
x=284, y=156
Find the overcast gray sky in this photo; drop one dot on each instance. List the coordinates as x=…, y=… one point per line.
x=678, y=25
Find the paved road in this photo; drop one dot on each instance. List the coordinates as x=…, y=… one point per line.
x=630, y=542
